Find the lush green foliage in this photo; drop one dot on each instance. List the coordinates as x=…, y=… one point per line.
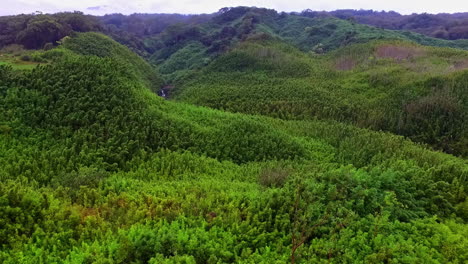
x=331, y=33
x=400, y=87
x=38, y=30
x=201, y=41
x=445, y=26
x=96, y=168
x=98, y=45
x=18, y=58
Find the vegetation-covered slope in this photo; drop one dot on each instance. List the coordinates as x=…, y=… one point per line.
x=443, y=25
x=97, y=168
x=332, y=33
x=176, y=49
x=408, y=89
x=167, y=38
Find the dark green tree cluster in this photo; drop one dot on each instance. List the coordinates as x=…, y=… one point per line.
x=37, y=30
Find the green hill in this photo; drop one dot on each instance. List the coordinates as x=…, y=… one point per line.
x=401, y=87
x=183, y=47
x=96, y=168
x=332, y=33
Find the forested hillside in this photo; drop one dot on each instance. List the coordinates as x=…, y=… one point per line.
x=148, y=34
x=443, y=25
x=279, y=139
x=411, y=90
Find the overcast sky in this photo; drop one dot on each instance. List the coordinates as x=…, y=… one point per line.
x=98, y=7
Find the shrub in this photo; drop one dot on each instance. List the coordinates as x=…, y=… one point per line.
x=6, y=130
x=273, y=177
x=26, y=58
x=13, y=49
x=89, y=177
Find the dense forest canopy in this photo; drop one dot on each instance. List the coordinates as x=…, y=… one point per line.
x=36, y=30
x=244, y=136
x=445, y=26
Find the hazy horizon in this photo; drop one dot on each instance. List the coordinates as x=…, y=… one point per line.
x=101, y=7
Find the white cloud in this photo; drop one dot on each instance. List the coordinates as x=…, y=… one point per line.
x=209, y=6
